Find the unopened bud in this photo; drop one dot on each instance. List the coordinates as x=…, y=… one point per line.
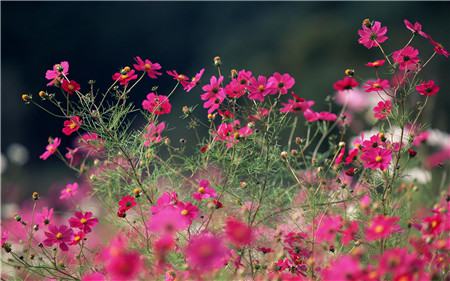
x=211, y=116
x=294, y=152
x=137, y=192
x=284, y=155
x=349, y=72
x=234, y=73
x=17, y=217
x=367, y=22
x=185, y=109
x=243, y=184
x=43, y=95
x=35, y=196
x=341, y=144
x=298, y=140
x=26, y=98
x=217, y=61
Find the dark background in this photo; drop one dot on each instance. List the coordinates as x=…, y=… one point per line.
x=314, y=42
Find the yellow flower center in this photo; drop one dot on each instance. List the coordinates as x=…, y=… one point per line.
x=71, y=87
x=379, y=229
x=184, y=212
x=72, y=125
x=201, y=190
x=378, y=158
x=236, y=135
x=124, y=76
x=77, y=238
x=261, y=88
x=68, y=190
x=148, y=66
x=59, y=235
x=377, y=85
x=434, y=224
x=181, y=77
x=83, y=220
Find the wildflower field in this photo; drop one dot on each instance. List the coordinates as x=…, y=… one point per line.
x=280, y=188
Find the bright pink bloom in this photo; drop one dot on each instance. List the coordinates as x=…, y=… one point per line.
x=376, y=85
x=72, y=125
x=327, y=116
x=168, y=221
x=85, y=221
x=415, y=28
x=127, y=202
x=231, y=133
x=194, y=81
x=50, y=148
x=351, y=156
x=421, y=138
x=235, y=90
x=204, y=191
x=157, y=104
x=58, y=235
x=382, y=110
x=163, y=245
x=349, y=233
x=214, y=94
x=45, y=216
x=70, y=86
x=206, y=252
x=96, y=276
x=165, y=200
x=70, y=190
x=259, y=88
x=239, y=233
x=373, y=35
x=327, y=228
x=297, y=104
x=427, y=88
x=376, y=158
x=281, y=83
x=347, y=83
x=344, y=268
x=181, y=78
x=438, y=158
x=121, y=263
x=147, y=66
x=407, y=58
x=312, y=116
x=125, y=77
x=438, y=48
x=55, y=74
x=77, y=238
x=188, y=210
x=382, y=227
x=153, y=134
x=376, y=63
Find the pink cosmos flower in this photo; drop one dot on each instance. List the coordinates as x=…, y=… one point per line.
x=351, y=156
x=231, y=133
x=235, y=90
x=58, y=235
x=421, y=138
x=121, y=263
x=327, y=228
x=427, y=88
x=188, y=210
x=50, y=148
x=162, y=246
x=204, y=191
x=157, y=104
x=407, y=58
x=259, y=88
x=382, y=227
x=376, y=158
x=371, y=36
x=45, y=216
x=125, y=77
x=54, y=75
x=415, y=28
x=382, y=110
x=344, y=268
x=376, y=85
x=90, y=143
x=72, y=125
x=153, y=134
x=70, y=86
x=127, y=202
x=165, y=200
x=376, y=63
x=85, y=221
x=194, y=81
x=349, y=233
x=181, y=78
x=70, y=190
x=239, y=233
x=438, y=158
x=312, y=116
x=282, y=83
x=214, y=94
x=168, y=221
x=297, y=104
x=77, y=238
x=147, y=66
x=347, y=83
x=438, y=48
x=206, y=252
x=71, y=153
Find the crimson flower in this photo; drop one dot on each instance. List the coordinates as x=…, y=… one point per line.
x=371, y=36
x=72, y=125
x=70, y=86
x=58, y=235
x=83, y=221
x=427, y=88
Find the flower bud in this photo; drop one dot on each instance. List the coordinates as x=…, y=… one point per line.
x=26, y=98
x=137, y=192
x=284, y=155
x=35, y=196
x=341, y=144
x=367, y=22
x=243, y=184
x=233, y=73
x=182, y=141
x=7, y=247
x=298, y=140
x=166, y=141
x=125, y=70
x=185, y=109
x=43, y=95
x=412, y=153
x=349, y=72
x=211, y=116
x=294, y=152
x=217, y=61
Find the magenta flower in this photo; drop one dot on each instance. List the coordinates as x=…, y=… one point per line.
x=127, y=202
x=239, y=233
x=235, y=90
x=382, y=110
x=157, y=104
x=214, y=94
x=77, y=238
x=95, y=276
x=296, y=105
x=71, y=153
x=427, y=88
x=327, y=227
x=45, y=216
x=312, y=116
x=85, y=221
x=166, y=199
x=281, y=83
x=376, y=158
x=72, y=125
x=55, y=74
x=349, y=233
x=194, y=81
x=70, y=190
x=382, y=227
x=376, y=63
x=50, y=148
x=230, y=133
x=376, y=85
x=121, y=263
x=153, y=134
x=58, y=235
x=70, y=86
x=147, y=66
x=371, y=36
x=188, y=210
x=181, y=78
x=168, y=221
x=204, y=191
x=344, y=268
x=206, y=252
x=438, y=48
x=259, y=88
x=407, y=58
x=125, y=77
x=347, y=83
x=415, y=28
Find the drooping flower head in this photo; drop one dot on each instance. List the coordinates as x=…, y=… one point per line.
x=415, y=28
x=373, y=34
x=84, y=221
x=427, y=88
x=61, y=235
x=147, y=66
x=69, y=191
x=157, y=104
x=206, y=252
x=50, y=148
x=194, y=81
x=72, y=125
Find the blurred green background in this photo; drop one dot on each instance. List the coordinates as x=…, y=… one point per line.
x=314, y=41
